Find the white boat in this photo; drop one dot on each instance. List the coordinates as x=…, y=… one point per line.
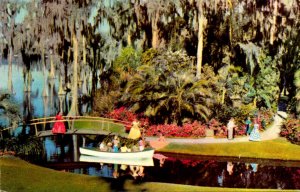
x=147, y=153
x=135, y=162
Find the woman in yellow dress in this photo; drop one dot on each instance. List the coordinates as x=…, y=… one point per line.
x=135, y=131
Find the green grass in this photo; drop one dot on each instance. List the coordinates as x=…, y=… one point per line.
x=99, y=125
x=17, y=175
x=273, y=149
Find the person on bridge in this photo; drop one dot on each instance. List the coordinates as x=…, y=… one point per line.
x=59, y=126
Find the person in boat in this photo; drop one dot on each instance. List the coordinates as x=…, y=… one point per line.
x=116, y=142
x=141, y=145
x=59, y=126
x=124, y=148
x=102, y=146
x=135, y=131
x=109, y=147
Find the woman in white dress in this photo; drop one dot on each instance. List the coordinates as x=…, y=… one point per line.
x=254, y=135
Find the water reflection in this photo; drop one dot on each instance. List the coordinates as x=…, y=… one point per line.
x=170, y=168
x=225, y=174
x=37, y=95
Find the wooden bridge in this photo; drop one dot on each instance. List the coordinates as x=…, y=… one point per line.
x=77, y=125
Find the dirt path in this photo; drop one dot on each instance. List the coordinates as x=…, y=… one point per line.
x=271, y=133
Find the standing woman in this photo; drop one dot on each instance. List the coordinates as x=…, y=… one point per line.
x=135, y=131
x=248, y=123
x=254, y=135
x=230, y=127
x=59, y=126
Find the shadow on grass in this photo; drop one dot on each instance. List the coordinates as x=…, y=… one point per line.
x=118, y=184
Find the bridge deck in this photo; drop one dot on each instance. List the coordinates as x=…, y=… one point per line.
x=79, y=132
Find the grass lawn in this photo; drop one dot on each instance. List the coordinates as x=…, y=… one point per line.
x=272, y=149
x=17, y=175
x=101, y=124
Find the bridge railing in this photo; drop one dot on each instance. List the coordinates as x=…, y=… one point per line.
x=100, y=123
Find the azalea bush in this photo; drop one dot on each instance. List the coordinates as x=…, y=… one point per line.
x=220, y=129
x=266, y=117
x=291, y=130
x=127, y=116
x=188, y=129
x=195, y=129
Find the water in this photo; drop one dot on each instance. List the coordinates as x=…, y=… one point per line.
x=33, y=104
x=179, y=169
x=62, y=152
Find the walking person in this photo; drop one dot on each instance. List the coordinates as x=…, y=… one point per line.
x=230, y=128
x=255, y=135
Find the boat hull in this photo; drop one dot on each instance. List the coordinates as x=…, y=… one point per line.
x=147, y=153
x=135, y=162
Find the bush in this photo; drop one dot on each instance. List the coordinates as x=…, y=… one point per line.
x=291, y=130
x=194, y=129
x=125, y=115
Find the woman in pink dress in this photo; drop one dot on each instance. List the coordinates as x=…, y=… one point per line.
x=59, y=126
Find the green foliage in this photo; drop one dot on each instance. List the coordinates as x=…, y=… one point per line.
x=128, y=60
x=297, y=96
x=165, y=86
x=105, y=102
x=9, y=109
x=23, y=145
x=291, y=130
x=262, y=88
x=224, y=112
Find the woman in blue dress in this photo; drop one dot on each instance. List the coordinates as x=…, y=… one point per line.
x=254, y=135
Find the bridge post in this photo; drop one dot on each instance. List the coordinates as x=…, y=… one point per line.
x=83, y=141
x=36, y=131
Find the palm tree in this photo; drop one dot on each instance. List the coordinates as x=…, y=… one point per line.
x=165, y=86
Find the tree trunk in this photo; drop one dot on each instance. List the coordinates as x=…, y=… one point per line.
x=129, y=41
x=9, y=82
x=273, y=27
x=74, y=106
x=201, y=20
x=84, y=50
x=45, y=89
x=155, y=31
x=223, y=95
x=52, y=69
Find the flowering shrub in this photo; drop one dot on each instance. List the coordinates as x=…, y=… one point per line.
x=240, y=130
x=125, y=115
x=291, y=130
x=194, y=129
x=122, y=114
x=220, y=129
x=266, y=116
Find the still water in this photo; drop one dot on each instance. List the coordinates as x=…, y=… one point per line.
x=42, y=100
x=190, y=170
